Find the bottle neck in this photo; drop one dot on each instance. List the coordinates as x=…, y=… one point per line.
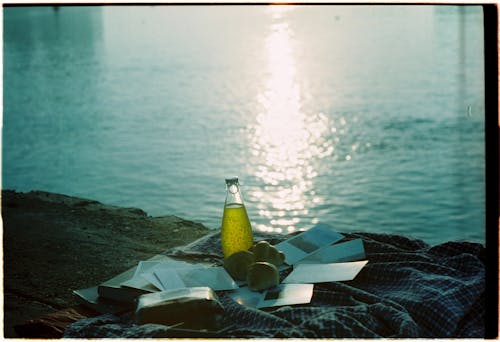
x=233, y=194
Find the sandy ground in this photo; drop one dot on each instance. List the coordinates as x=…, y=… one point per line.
x=54, y=244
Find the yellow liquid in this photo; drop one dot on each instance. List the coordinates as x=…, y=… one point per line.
x=236, y=232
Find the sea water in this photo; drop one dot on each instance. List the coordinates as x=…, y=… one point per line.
x=369, y=118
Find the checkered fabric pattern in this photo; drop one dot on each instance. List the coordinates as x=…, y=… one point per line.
x=408, y=289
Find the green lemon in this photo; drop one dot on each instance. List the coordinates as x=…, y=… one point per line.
x=237, y=264
x=262, y=275
x=261, y=250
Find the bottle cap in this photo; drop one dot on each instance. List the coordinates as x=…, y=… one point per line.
x=231, y=181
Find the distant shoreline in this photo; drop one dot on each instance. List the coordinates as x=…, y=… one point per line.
x=54, y=244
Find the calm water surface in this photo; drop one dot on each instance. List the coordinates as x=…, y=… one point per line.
x=368, y=118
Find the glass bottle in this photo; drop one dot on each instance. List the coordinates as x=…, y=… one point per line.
x=236, y=231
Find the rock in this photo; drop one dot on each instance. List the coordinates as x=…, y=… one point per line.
x=54, y=244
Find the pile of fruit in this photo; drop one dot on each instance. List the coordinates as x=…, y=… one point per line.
x=258, y=265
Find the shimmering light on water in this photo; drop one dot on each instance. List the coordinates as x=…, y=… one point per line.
x=285, y=138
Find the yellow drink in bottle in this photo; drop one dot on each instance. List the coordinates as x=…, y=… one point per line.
x=236, y=231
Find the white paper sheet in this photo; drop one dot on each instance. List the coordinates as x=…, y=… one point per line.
x=137, y=281
x=142, y=272
x=145, y=269
x=340, y=252
x=216, y=278
x=287, y=294
x=308, y=242
x=150, y=277
x=169, y=279
x=319, y=273
x=283, y=294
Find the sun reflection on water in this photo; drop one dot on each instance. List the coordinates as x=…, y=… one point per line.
x=286, y=139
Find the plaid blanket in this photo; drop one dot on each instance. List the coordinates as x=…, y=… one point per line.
x=408, y=289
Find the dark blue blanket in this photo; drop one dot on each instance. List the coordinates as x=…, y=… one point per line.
x=407, y=289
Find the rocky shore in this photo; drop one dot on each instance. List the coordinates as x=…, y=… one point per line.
x=54, y=244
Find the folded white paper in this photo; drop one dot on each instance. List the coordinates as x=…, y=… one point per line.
x=138, y=281
x=216, y=278
x=145, y=270
x=170, y=279
x=319, y=273
x=340, y=252
x=308, y=242
x=283, y=294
